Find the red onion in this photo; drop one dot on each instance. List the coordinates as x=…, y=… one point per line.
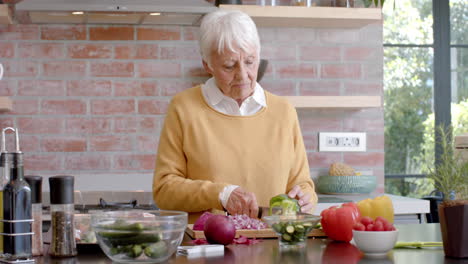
x=219, y=229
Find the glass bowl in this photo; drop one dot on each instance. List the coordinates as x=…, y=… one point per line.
x=375, y=243
x=292, y=230
x=139, y=236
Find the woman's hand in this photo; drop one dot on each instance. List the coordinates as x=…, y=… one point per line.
x=242, y=202
x=303, y=198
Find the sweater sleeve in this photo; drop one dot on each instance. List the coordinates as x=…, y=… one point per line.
x=299, y=173
x=172, y=190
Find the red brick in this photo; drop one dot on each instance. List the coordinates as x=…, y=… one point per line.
x=135, y=88
x=279, y=87
x=316, y=123
x=360, y=124
x=112, y=107
x=29, y=143
x=363, y=53
x=41, y=88
x=292, y=35
x=181, y=53
x=20, y=68
x=25, y=107
x=322, y=159
x=363, y=88
x=338, y=36
x=92, y=125
x=112, y=69
x=111, y=143
x=61, y=107
x=341, y=71
x=296, y=70
x=373, y=71
x=319, y=87
x=159, y=33
x=190, y=33
x=375, y=141
x=147, y=143
x=89, y=51
x=88, y=162
x=19, y=32
x=42, y=162
x=158, y=69
x=374, y=159
x=6, y=122
x=7, y=87
x=136, y=124
x=195, y=69
x=62, y=69
x=310, y=142
x=320, y=53
x=134, y=162
x=89, y=88
x=41, y=50
x=68, y=32
x=171, y=87
x=147, y=107
x=140, y=51
x=63, y=144
x=111, y=33
x=277, y=53
x=7, y=50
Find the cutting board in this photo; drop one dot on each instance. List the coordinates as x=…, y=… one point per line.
x=250, y=233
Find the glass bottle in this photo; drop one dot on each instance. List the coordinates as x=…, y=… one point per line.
x=35, y=183
x=62, y=215
x=17, y=211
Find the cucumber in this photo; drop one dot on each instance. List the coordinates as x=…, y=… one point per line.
x=122, y=225
x=132, y=240
x=135, y=251
x=290, y=229
x=156, y=250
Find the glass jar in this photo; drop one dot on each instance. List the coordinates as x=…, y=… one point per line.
x=301, y=2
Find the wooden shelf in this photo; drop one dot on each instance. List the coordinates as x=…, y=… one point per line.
x=5, y=104
x=335, y=101
x=299, y=16
x=5, y=15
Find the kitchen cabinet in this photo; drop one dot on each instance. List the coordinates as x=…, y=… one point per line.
x=5, y=15
x=335, y=101
x=5, y=104
x=316, y=16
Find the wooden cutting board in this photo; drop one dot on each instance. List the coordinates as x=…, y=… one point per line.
x=250, y=233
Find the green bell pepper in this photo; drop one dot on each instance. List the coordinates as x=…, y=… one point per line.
x=282, y=204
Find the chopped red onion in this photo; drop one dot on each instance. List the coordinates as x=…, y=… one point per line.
x=245, y=222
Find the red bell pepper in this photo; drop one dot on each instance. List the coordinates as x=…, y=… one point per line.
x=338, y=221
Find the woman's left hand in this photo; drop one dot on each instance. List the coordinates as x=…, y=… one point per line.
x=303, y=198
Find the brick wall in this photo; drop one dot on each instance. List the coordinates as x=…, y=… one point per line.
x=90, y=100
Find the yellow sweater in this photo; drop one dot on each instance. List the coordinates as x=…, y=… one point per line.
x=201, y=151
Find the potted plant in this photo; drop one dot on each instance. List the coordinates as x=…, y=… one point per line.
x=450, y=177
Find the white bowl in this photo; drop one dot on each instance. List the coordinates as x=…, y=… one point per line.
x=375, y=243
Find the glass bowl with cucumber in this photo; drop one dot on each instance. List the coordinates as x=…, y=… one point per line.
x=139, y=236
x=292, y=230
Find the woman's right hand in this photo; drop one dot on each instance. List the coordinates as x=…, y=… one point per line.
x=242, y=202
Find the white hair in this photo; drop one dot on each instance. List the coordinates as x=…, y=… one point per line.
x=224, y=29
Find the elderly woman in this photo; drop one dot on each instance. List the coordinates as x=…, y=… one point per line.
x=229, y=144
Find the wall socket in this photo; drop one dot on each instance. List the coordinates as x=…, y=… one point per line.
x=342, y=141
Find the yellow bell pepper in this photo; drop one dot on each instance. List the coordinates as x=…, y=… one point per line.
x=379, y=206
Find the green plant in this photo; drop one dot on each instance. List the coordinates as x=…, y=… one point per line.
x=368, y=3
x=450, y=174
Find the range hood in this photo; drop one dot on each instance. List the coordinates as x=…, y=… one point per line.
x=180, y=12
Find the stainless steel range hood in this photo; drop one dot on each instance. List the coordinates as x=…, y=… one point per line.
x=115, y=11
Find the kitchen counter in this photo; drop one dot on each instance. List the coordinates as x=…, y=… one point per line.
x=317, y=251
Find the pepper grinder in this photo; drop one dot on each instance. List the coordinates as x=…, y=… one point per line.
x=17, y=211
x=62, y=214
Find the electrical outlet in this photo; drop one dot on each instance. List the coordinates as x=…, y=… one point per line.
x=342, y=141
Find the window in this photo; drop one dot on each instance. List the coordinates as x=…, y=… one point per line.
x=415, y=87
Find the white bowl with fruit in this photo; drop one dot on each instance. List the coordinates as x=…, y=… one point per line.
x=375, y=238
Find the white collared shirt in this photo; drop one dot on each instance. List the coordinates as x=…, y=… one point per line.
x=226, y=105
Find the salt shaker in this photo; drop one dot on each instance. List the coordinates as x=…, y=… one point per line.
x=35, y=183
x=62, y=215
